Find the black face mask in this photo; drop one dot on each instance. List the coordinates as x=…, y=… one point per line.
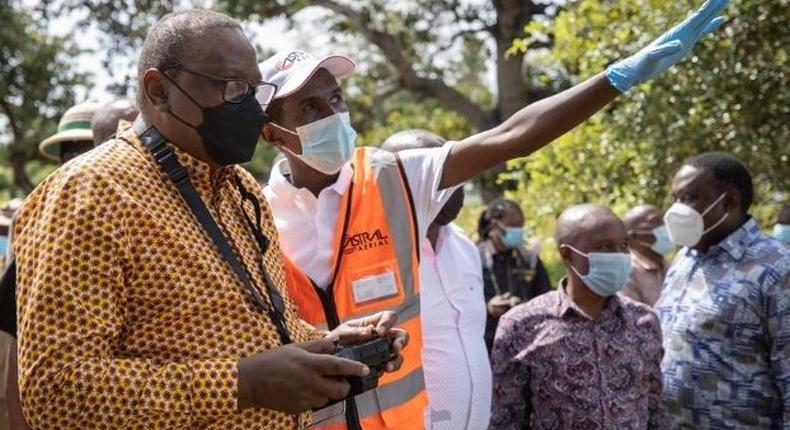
x=451, y=209
x=229, y=131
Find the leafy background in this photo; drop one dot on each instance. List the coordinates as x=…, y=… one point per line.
x=456, y=67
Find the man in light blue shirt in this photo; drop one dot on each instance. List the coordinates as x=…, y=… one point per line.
x=724, y=306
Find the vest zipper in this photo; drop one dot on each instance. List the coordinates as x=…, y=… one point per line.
x=332, y=320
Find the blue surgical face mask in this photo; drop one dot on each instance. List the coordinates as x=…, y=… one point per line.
x=3, y=245
x=327, y=144
x=663, y=245
x=513, y=237
x=782, y=232
x=608, y=272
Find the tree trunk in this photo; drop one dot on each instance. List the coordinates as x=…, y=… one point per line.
x=512, y=16
x=21, y=179
x=513, y=93
x=409, y=78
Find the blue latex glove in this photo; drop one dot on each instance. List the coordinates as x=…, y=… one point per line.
x=668, y=49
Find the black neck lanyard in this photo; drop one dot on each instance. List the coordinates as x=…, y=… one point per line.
x=164, y=156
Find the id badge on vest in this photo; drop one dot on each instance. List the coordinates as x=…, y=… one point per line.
x=374, y=287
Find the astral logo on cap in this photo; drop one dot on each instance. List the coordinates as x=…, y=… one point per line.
x=291, y=69
x=293, y=57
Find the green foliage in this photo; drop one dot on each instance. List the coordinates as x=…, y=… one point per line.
x=415, y=26
x=380, y=108
x=730, y=96
x=468, y=218
x=37, y=84
x=122, y=26
x=402, y=112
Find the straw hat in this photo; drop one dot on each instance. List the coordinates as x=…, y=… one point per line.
x=75, y=125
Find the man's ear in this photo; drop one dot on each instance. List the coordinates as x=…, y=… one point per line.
x=733, y=199
x=565, y=253
x=270, y=134
x=155, y=89
x=281, y=138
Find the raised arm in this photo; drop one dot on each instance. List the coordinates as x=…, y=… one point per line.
x=540, y=123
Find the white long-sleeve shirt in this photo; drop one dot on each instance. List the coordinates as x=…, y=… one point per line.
x=455, y=359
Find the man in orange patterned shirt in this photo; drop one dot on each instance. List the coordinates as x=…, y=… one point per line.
x=129, y=315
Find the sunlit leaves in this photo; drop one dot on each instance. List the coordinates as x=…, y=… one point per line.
x=37, y=84
x=731, y=95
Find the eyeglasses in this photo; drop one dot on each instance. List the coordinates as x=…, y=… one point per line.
x=234, y=90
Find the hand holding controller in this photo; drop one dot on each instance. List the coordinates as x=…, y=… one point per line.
x=375, y=354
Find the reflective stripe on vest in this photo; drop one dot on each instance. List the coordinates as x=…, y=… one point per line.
x=377, y=237
x=389, y=396
x=399, y=219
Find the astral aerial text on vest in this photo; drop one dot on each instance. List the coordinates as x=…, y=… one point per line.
x=364, y=241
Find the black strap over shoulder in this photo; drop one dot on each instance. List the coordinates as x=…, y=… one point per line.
x=167, y=159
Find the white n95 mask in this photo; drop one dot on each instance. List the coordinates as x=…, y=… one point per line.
x=327, y=144
x=686, y=226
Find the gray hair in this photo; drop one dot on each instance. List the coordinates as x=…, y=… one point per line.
x=170, y=40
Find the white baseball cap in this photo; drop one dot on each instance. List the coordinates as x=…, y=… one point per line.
x=290, y=70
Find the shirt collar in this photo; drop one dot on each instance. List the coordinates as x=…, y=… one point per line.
x=281, y=185
x=736, y=243
x=567, y=307
x=199, y=171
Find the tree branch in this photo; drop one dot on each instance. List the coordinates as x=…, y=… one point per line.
x=409, y=79
x=460, y=34
x=542, y=44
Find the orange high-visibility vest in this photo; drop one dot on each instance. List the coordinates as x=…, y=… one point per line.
x=376, y=268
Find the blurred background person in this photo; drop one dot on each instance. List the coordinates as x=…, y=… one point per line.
x=5, y=230
x=455, y=359
x=106, y=121
x=649, y=243
x=512, y=273
x=782, y=227
x=6, y=312
x=74, y=135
